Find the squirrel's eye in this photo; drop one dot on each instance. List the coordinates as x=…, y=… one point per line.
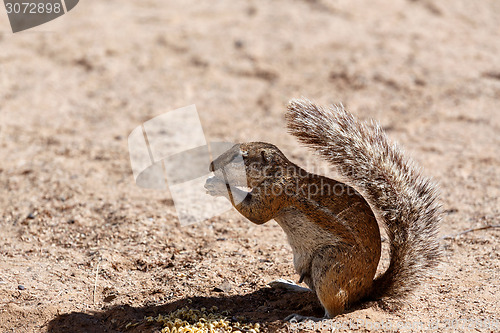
x=263, y=156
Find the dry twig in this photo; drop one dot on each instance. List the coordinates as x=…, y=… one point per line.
x=453, y=236
x=95, y=282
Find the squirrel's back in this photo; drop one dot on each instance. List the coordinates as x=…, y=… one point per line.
x=405, y=202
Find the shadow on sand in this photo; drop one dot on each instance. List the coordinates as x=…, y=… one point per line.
x=268, y=306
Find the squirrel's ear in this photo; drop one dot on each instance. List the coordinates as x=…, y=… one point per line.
x=264, y=159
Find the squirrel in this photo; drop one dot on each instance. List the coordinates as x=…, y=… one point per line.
x=331, y=227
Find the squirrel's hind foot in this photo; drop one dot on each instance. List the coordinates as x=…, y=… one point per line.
x=296, y=318
x=288, y=285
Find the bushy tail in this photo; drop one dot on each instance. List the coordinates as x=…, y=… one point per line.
x=405, y=201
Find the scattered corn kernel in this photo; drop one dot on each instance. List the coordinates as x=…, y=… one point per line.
x=186, y=320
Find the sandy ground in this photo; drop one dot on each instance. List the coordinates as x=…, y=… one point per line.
x=93, y=252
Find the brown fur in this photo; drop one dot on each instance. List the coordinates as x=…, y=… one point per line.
x=331, y=228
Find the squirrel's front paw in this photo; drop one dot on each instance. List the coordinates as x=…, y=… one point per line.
x=215, y=187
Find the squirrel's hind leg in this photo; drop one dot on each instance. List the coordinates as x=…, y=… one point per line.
x=338, y=280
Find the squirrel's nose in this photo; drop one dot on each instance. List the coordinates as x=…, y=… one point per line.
x=211, y=167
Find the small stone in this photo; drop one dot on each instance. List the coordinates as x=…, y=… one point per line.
x=224, y=287
x=21, y=287
x=239, y=44
x=110, y=298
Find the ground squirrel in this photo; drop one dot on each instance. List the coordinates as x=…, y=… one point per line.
x=331, y=228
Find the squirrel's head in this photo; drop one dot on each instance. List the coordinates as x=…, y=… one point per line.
x=250, y=163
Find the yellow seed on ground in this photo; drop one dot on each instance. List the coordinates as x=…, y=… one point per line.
x=186, y=320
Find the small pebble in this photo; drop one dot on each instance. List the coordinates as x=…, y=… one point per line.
x=239, y=44
x=224, y=287
x=21, y=287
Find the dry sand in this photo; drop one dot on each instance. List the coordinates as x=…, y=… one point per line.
x=73, y=89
